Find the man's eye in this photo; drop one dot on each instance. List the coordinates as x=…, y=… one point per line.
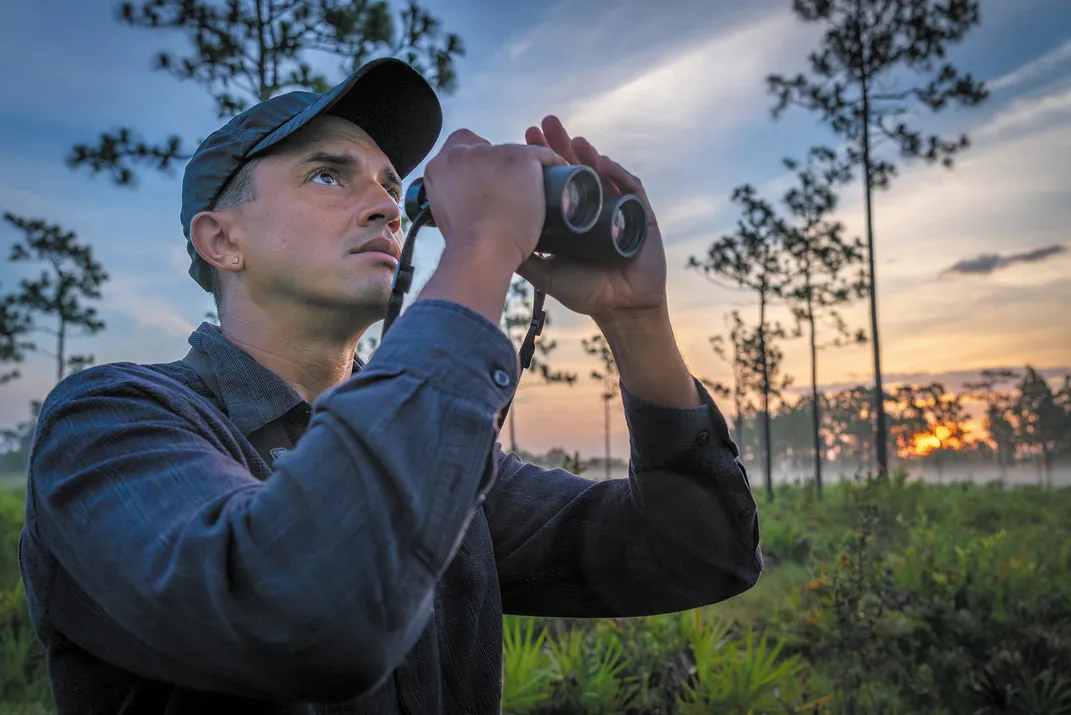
x=321, y=173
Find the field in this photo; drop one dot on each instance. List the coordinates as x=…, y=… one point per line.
x=888, y=596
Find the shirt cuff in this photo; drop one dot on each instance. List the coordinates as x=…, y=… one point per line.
x=662, y=437
x=453, y=346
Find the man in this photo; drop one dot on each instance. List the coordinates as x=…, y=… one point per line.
x=269, y=526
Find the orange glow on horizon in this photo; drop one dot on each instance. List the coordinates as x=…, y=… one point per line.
x=923, y=444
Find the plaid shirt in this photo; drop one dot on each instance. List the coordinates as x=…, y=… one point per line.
x=170, y=569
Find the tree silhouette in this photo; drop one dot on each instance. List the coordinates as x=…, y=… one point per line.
x=596, y=345
x=999, y=413
x=748, y=345
x=17, y=443
x=71, y=277
x=752, y=258
x=516, y=319
x=946, y=414
x=907, y=418
x=246, y=51
x=820, y=257
x=573, y=463
x=1043, y=417
x=14, y=324
x=928, y=420
x=847, y=417
x=795, y=434
x=869, y=47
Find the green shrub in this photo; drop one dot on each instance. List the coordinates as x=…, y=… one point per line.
x=24, y=686
x=888, y=596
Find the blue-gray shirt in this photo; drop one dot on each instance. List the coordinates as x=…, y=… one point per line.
x=170, y=569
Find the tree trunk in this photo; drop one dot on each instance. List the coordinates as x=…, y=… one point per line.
x=767, y=451
x=737, y=399
x=606, y=412
x=880, y=446
x=60, y=348
x=740, y=435
x=1046, y=461
x=816, y=416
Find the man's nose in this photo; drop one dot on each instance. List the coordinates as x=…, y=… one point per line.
x=379, y=205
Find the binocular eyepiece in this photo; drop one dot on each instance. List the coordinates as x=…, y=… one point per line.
x=580, y=222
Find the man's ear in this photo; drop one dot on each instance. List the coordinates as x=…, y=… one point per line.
x=211, y=235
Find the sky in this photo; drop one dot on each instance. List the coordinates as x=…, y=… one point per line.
x=973, y=266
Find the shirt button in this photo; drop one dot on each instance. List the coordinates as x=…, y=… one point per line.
x=501, y=378
x=703, y=437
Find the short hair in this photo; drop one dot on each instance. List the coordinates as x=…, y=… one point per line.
x=239, y=190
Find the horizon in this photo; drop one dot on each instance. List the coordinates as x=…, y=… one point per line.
x=972, y=263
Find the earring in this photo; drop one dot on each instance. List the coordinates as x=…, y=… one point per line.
x=235, y=260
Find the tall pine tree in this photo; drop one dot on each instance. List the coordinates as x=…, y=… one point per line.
x=754, y=257
x=857, y=86
x=821, y=258
x=71, y=276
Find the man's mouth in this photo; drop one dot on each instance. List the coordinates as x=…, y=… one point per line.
x=380, y=245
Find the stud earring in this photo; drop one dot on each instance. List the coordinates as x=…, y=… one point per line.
x=235, y=260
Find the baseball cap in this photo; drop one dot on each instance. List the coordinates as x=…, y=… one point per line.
x=386, y=97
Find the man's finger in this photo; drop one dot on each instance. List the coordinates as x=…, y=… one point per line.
x=585, y=151
x=534, y=137
x=628, y=182
x=463, y=137
x=547, y=156
x=558, y=138
x=597, y=161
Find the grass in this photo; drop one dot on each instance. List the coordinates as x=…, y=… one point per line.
x=887, y=596
x=15, y=483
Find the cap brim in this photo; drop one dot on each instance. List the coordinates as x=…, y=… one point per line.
x=386, y=98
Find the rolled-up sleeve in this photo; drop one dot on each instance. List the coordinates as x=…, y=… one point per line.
x=311, y=585
x=681, y=531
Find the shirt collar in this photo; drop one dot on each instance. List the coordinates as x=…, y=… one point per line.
x=252, y=394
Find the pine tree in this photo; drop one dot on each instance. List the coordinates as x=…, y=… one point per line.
x=869, y=50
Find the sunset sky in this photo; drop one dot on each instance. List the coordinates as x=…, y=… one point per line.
x=973, y=264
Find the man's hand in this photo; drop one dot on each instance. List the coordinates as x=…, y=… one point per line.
x=606, y=293
x=489, y=205
x=628, y=300
x=489, y=198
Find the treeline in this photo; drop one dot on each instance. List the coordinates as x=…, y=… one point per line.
x=1024, y=419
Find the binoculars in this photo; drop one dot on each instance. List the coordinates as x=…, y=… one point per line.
x=581, y=223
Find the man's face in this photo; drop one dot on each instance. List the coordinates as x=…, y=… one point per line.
x=325, y=227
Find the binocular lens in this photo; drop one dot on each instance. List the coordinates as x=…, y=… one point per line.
x=581, y=200
x=578, y=223
x=627, y=228
x=570, y=202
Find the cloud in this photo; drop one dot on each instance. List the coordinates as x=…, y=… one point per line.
x=702, y=91
x=1034, y=69
x=686, y=214
x=650, y=82
x=986, y=263
x=1026, y=114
